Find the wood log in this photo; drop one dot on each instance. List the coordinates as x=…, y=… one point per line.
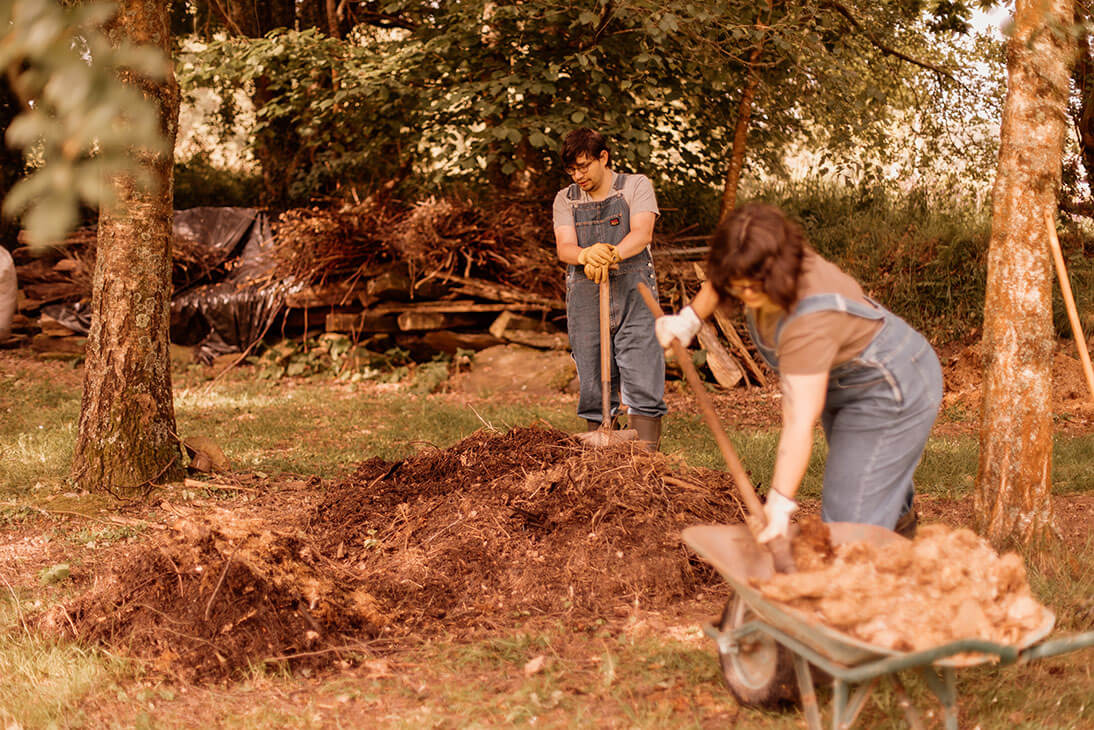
x=58, y=345
x=416, y=321
x=392, y=284
x=454, y=306
x=50, y=326
x=500, y=292
x=539, y=340
x=725, y=369
x=509, y=321
x=738, y=345
x=361, y=322
x=326, y=295
x=449, y=341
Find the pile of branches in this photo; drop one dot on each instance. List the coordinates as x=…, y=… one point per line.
x=504, y=243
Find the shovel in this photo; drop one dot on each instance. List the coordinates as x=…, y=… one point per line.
x=606, y=435
x=780, y=547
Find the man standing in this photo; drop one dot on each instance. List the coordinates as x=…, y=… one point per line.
x=603, y=229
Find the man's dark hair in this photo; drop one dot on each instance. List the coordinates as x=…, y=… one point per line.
x=583, y=140
x=758, y=242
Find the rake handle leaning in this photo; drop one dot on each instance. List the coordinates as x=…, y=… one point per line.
x=729, y=454
x=1069, y=302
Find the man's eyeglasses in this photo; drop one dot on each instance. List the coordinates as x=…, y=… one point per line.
x=582, y=167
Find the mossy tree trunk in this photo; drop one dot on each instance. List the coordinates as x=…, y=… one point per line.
x=127, y=418
x=1013, y=484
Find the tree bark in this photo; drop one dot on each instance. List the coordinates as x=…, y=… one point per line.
x=127, y=420
x=740, y=138
x=1013, y=485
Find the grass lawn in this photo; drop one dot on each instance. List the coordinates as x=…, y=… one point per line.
x=644, y=669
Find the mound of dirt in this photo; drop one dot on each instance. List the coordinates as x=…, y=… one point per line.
x=497, y=528
x=945, y=585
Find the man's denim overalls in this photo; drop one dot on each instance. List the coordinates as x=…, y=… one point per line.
x=638, y=362
x=878, y=412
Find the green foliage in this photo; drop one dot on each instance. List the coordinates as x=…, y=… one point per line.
x=922, y=253
x=483, y=92
x=80, y=122
x=199, y=183
x=333, y=354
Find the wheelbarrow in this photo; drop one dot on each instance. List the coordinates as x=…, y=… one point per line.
x=763, y=645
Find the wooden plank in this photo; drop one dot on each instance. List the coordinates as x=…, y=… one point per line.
x=725, y=369
x=539, y=340
x=326, y=295
x=51, y=327
x=501, y=293
x=416, y=321
x=453, y=306
x=392, y=284
x=361, y=322
x=448, y=341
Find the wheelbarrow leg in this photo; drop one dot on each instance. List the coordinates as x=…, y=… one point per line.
x=846, y=705
x=945, y=689
x=808, y=693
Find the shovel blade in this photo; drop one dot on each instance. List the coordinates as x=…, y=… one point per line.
x=604, y=437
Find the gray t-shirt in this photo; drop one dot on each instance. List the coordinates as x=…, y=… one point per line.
x=637, y=192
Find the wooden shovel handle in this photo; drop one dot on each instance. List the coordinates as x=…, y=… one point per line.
x=605, y=354
x=729, y=454
x=1069, y=301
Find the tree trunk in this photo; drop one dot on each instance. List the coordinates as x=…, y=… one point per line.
x=127, y=418
x=740, y=138
x=1013, y=484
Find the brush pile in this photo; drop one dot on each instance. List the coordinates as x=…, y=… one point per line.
x=496, y=530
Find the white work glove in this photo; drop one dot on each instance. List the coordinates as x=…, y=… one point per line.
x=777, y=510
x=683, y=326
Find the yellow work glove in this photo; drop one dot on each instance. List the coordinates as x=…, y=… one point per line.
x=598, y=272
x=598, y=253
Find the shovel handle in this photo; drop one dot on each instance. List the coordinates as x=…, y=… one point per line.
x=1069, y=302
x=729, y=454
x=605, y=354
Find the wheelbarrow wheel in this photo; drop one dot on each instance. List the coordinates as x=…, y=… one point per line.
x=760, y=672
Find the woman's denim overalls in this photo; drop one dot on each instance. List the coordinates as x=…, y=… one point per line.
x=638, y=362
x=878, y=412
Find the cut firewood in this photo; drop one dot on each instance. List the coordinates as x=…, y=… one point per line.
x=58, y=345
x=738, y=346
x=392, y=284
x=724, y=367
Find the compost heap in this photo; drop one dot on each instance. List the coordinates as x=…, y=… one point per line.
x=947, y=584
x=497, y=529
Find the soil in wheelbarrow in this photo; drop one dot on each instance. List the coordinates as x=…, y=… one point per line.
x=947, y=584
x=499, y=529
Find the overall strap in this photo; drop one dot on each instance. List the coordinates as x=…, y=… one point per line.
x=831, y=303
x=574, y=192
x=620, y=178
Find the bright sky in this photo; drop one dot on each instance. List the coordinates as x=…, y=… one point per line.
x=993, y=19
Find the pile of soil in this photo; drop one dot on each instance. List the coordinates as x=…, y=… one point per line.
x=497, y=528
x=945, y=585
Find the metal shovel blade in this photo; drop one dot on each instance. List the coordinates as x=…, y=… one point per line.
x=604, y=437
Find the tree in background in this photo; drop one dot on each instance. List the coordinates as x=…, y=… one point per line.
x=480, y=92
x=127, y=422
x=1013, y=483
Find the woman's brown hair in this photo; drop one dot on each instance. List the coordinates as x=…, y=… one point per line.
x=757, y=241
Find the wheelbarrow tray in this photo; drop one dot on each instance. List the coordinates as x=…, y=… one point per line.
x=734, y=553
